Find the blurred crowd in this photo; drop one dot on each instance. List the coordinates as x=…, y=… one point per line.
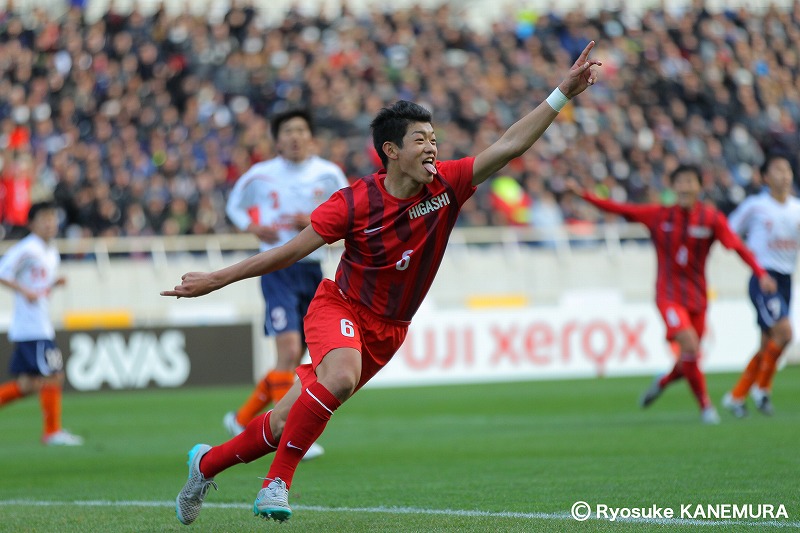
x=140, y=124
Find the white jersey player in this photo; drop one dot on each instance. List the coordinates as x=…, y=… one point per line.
x=274, y=200
x=279, y=194
x=30, y=269
x=770, y=223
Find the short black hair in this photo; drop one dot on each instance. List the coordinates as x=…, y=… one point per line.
x=771, y=159
x=684, y=167
x=391, y=124
x=38, y=207
x=278, y=120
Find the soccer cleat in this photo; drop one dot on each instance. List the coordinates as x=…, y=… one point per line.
x=231, y=425
x=190, y=498
x=736, y=407
x=652, y=393
x=762, y=400
x=273, y=501
x=314, y=451
x=710, y=416
x=62, y=437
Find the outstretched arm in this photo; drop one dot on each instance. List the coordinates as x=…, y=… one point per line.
x=200, y=283
x=643, y=213
x=523, y=133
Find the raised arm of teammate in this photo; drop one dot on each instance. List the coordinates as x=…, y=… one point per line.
x=643, y=213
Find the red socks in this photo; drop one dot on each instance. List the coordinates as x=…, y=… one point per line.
x=306, y=421
x=255, y=441
x=697, y=382
x=693, y=374
x=676, y=374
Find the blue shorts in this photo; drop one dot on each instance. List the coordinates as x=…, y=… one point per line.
x=771, y=308
x=37, y=358
x=287, y=294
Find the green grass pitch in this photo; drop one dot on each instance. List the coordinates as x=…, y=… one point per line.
x=522, y=453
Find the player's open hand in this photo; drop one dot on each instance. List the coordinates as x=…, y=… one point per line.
x=581, y=75
x=267, y=234
x=572, y=185
x=193, y=284
x=300, y=221
x=31, y=296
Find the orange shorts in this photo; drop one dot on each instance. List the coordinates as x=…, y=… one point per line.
x=678, y=318
x=335, y=321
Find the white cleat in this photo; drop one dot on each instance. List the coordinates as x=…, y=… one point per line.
x=273, y=501
x=736, y=407
x=710, y=416
x=314, y=451
x=190, y=498
x=62, y=438
x=231, y=425
x=762, y=400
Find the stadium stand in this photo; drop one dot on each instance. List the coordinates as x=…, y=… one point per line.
x=139, y=123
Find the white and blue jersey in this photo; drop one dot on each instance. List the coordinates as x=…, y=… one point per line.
x=33, y=265
x=271, y=193
x=771, y=229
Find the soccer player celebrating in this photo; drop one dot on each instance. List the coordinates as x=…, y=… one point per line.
x=30, y=269
x=273, y=201
x=771, y=223
x=682, y=235
x=395, y=225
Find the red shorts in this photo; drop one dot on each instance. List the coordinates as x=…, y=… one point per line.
x=678, y=318
x=335, y=321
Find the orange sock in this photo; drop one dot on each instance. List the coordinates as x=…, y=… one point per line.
x=768, y=366
x=258, y=400
x=279, y=383
x=747, y=378
x=10, y=391
x=50, y=399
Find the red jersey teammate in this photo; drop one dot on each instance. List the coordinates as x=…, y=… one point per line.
x=682, y=235
x=395, y=224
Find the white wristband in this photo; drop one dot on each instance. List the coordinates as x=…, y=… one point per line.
x=557, y=100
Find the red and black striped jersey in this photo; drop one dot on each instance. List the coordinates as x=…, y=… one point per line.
x=393, y=246
x=682, y=239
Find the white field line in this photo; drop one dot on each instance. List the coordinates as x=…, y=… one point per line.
x=412, y=511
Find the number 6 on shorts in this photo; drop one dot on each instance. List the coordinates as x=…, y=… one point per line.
x=347, y=328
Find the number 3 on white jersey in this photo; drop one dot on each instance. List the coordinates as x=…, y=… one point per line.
x=403, y=263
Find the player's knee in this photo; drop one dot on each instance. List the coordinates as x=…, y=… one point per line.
x=340, y=372
x=341, y=381
x=288, y=360
x=340, y=384
x=688, y=343
x=27, y=385
x=782, y=332
x=289, y=347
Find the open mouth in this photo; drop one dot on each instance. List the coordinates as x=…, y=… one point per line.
x=430, y=165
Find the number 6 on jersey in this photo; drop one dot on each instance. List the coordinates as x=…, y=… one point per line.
x=403, y=263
